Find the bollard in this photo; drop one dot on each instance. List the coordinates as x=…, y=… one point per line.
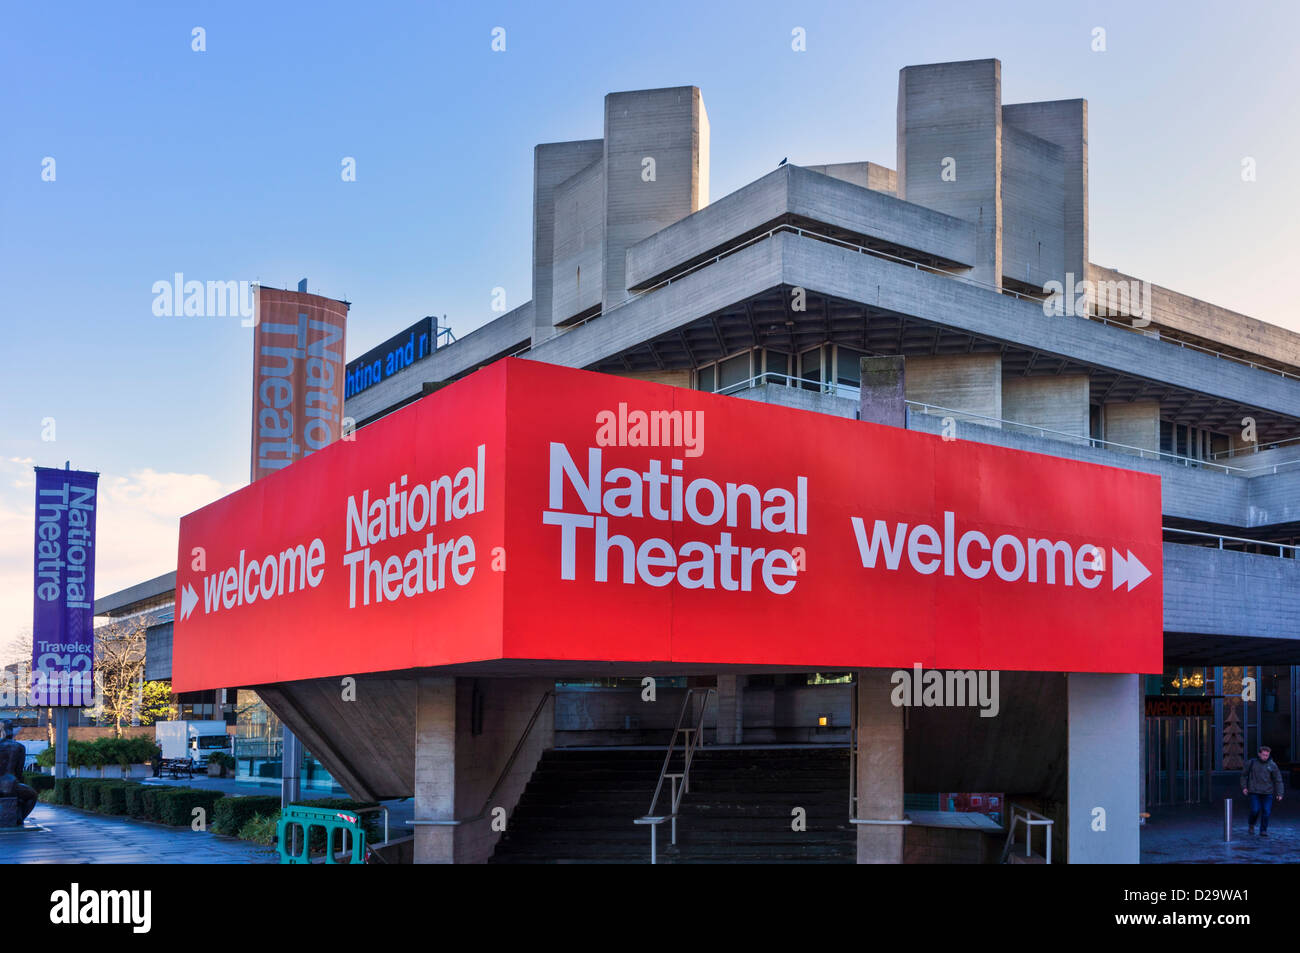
x=1227, y=820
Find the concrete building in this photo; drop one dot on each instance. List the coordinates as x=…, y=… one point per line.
x=952, y=294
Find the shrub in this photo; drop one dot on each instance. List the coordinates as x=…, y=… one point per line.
x=232, y=813
x=221, y=759
x=76, y=786
x=41, y=783
x=47, y=797
x=63, y=790
x=149, y=802
x=46, y=758
x=260, y=829
x=135, y=800
x=112, y=796
x=176, y=805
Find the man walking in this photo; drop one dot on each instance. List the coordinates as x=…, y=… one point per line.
x=1261, y=779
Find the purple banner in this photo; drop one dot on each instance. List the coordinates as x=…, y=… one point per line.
x=63, y=626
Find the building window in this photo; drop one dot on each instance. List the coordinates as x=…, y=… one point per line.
x=733, y=372
x=848, y=366
x=778, y=367
x=810, y=369
x=705, y=378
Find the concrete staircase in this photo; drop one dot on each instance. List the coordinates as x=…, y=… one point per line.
x=580, y=804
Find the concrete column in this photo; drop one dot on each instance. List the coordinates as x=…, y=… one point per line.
x=949, y=148
x=958, y=382
x=882, y=393
x=656, y=171
x=1133, y=423
x=880, y=769
x=435, y=769
x=731, y=709
x=1104, y=745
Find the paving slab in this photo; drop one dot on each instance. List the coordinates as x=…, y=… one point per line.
x=66, y=835
x=1193, y=834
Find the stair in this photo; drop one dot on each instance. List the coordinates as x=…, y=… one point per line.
x=580, y=804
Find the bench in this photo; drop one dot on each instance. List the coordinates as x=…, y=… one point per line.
x=176, y=767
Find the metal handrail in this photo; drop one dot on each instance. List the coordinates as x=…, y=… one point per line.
x=1030, y=819
x=1142, y=452
x=1256, y=448
x=1281, y=547
x=919, y=266
x=694, y=739
x=510, y=762
x=837, y=389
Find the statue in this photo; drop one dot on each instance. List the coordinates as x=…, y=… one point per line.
x=12, y=757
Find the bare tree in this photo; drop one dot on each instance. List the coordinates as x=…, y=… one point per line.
x=119, y=669
x=16, y=661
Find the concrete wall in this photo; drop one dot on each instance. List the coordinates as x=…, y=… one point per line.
x=1020, y=751
x=1202, y=319
x=577, y=281
x=1065, y=124
x=553, y=163
x=1033, y=208
x=1105, y=722
x=868, y=175
x=1056, y=403
x=800, y=399
x=954, y=110
x=945, y=845
x=670, y=126
x=1135, y=424
x=507, y=704
x=1210, y=591
x=967, y=382
x=1196, y=493
x=801, y=194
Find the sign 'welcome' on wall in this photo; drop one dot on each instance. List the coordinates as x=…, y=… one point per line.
x=537, y=512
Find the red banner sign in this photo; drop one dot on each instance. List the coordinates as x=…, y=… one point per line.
x=298, y=375
x=537, y=512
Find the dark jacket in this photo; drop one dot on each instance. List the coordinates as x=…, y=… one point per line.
x=1262, y=777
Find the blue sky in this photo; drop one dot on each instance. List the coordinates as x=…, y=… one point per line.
x=224, y=165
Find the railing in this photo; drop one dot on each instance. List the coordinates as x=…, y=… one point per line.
x=1282, y=548
x=1256, y=448
x=501, y=778
x=919, y=266
x=694, y=739
x=1031, y=819
x=933, y=410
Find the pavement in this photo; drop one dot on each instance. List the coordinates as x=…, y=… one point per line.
x=56, y=834
x=1193, y=834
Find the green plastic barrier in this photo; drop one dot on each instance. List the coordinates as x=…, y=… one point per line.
x=329, y=819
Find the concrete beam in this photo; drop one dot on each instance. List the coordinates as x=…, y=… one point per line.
x=794, y=194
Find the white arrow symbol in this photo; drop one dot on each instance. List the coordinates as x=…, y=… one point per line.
x=1127, y=572
x=189, y=599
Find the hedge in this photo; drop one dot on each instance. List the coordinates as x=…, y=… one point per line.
x=63, y=790
x=112, y=796
x=232, y=813
x=83, y=794
x=41, y=782
x=175, y=806
x=124, y=751
x=135, y=800
x=149, y=802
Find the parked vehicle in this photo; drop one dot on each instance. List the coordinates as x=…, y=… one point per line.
x=193, y=740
